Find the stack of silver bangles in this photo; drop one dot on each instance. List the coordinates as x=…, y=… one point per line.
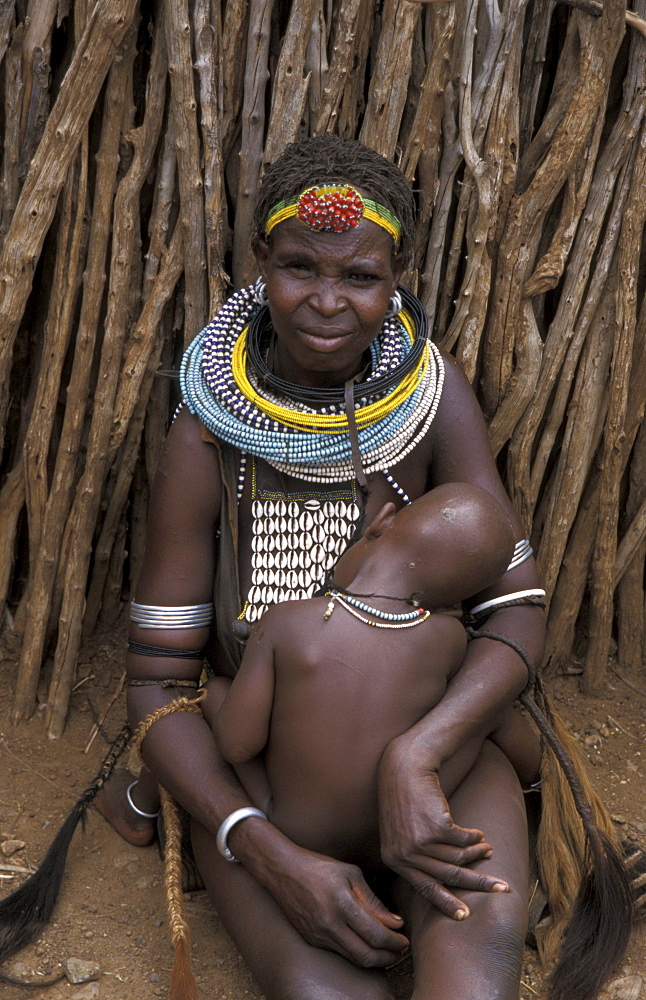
x=522, y=551
x=181, y=616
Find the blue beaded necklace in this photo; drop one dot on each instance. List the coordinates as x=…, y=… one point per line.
x=210, y=391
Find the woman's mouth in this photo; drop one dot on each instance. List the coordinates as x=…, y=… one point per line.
x=324, y=337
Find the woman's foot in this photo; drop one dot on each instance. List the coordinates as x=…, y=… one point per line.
x=113, y=805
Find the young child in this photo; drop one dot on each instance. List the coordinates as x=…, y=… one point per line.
x=326, y=683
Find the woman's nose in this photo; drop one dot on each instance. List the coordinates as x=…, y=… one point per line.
x=328, y=298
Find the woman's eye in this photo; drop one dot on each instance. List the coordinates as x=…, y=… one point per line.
x=298, y=267
x=364, y=279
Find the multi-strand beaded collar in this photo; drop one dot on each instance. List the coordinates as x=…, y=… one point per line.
x=272, y=419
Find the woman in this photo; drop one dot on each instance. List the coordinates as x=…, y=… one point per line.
x=294, y=431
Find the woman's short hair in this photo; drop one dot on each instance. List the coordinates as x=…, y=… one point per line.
x=330, y=159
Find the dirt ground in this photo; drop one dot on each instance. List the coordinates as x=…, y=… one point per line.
x=111, y=909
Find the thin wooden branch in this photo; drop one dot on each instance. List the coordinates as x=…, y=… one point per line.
x=389, y=81
x=57, y=332
x=602, y=583
x=234, y=43
x=81, y=522
x=289, y=94
x=352, y=103
x=343, y=50
x=426, y=129
x=534, y=438
x=253, y=126
x=208, y=45
x=629, y=564
x=39, y=594
x=581, y=436
x=6, y=21
x=130, y=411
x=596, y=58
x=13, y=91
x=630, y=543
x=191, y=186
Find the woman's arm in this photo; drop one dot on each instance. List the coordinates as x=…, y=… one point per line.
x=327, y=901
x=241, y=725
x=418, y=836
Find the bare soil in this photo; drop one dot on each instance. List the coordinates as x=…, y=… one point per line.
x=111, y=910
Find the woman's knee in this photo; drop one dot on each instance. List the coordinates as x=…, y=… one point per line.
x=502, y=920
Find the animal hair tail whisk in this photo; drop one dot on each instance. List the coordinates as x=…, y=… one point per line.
x=26, y=911
x=595, y=930
x=584, y=874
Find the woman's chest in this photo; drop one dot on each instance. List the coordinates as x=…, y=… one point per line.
x=291, y=533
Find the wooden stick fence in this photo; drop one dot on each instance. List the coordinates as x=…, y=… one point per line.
x=134, y=137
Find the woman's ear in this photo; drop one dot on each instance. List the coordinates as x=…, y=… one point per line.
x=261, y=253
x=397, y=268
x=381, y=522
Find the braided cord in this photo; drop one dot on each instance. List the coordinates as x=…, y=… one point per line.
x=544, y=725
x=181, y=704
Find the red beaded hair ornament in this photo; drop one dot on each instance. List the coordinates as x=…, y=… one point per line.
x=330, y=209
x=333, y=208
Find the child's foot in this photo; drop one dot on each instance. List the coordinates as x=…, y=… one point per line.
x=113, y=805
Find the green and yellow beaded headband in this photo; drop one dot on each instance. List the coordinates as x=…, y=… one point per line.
x=333, y=208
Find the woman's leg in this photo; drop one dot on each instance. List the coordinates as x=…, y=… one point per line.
x=284, y=965
x=480, y=957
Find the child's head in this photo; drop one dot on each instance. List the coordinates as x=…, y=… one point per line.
x=448, y=545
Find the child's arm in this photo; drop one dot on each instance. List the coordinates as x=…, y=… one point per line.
x=241, y=725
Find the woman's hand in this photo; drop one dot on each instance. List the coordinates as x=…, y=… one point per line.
x=419, y=839
x=331, y=905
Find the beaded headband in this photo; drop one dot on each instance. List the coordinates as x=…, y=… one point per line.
x=333, y=208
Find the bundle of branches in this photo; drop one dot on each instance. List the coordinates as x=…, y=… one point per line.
x=135, y=135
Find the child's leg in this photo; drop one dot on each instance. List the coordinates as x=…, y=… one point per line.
x=251, y=775
x=480, y=957
x=520, y=744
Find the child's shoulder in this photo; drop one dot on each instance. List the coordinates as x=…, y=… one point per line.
x=288, y=613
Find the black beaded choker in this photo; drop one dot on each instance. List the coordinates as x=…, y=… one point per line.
x=258, y=339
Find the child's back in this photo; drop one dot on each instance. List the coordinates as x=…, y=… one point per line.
x=326, y=684
x=343, y=691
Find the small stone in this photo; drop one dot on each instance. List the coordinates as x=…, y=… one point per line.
x=11, y=847
x=126, y=861
x=619, y=818
x=88, y=992
x=594, y=740
x=146, y=882
x=79, y=971
x=627, y=988
x=605, y=732
x=153, y=978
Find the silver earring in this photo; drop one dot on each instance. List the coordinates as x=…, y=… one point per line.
x=260, y=296
x=395, y=305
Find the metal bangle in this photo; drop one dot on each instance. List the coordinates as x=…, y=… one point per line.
x=536, y=592
x=227, y=826
x=134, y=808
x=166, y=617
x=522, y=551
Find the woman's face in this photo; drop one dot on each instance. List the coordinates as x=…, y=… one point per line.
x=328, y=294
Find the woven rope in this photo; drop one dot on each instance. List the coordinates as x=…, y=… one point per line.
x=181, y=704
x=183, y=985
